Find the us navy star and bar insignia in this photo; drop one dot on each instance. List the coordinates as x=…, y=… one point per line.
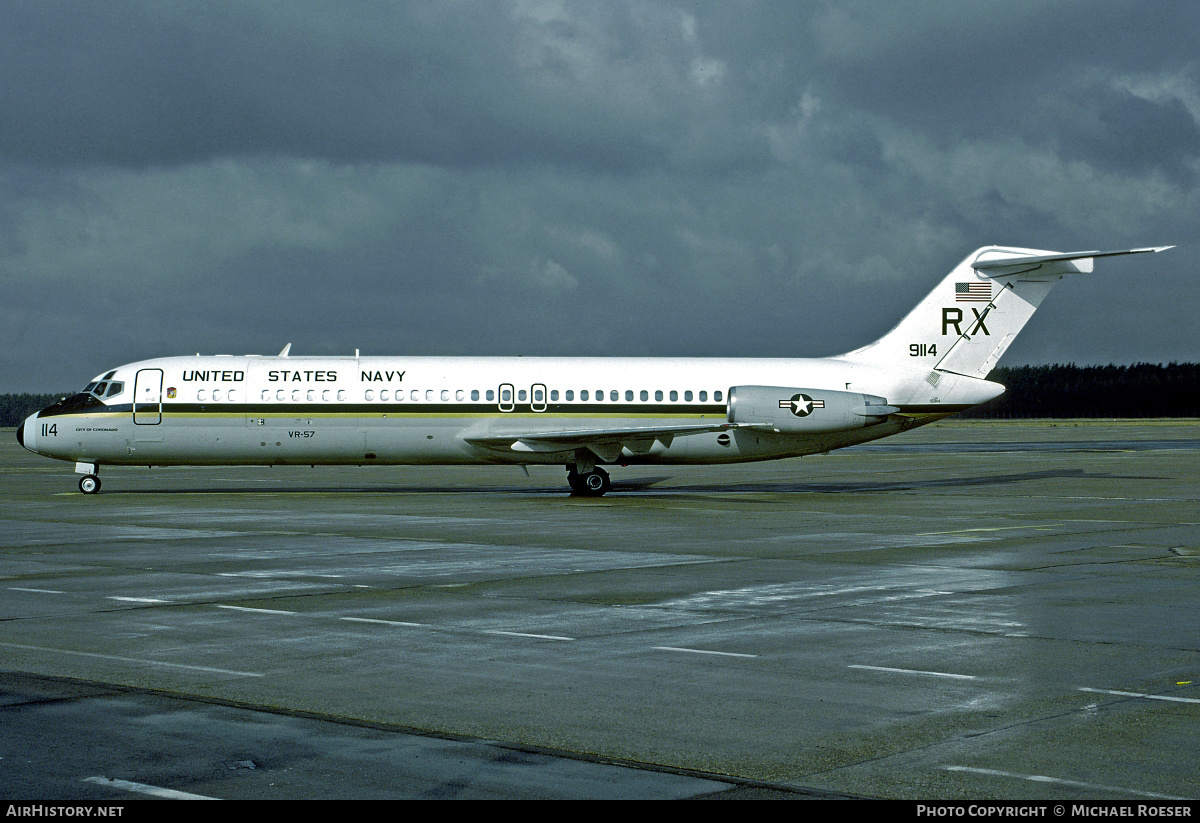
x=801, y=405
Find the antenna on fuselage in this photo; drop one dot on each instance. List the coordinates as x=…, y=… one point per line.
x=285, y=351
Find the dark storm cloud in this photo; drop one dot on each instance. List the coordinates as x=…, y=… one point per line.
x=557, y=177
x=134, y=84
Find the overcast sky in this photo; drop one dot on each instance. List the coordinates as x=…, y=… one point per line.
x=582, y=178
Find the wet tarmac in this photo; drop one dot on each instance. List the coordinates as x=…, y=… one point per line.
x=970, y=610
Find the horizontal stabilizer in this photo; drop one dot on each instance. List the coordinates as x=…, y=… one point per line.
x=1014, y=264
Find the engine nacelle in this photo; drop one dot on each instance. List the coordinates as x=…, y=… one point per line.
x=805, y=411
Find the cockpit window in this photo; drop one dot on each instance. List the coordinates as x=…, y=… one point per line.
x=115, y=389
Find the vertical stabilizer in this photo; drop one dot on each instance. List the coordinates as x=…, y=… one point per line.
x=969, y=320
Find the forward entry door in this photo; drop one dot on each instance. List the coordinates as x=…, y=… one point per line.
x=147, y=397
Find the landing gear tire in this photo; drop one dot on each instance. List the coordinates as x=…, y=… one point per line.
x=89, y=484
x=592, y=484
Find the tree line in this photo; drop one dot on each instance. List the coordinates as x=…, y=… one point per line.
x=1140, y=390
x=16, y=407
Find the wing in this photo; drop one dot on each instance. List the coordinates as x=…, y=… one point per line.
x=605, y=443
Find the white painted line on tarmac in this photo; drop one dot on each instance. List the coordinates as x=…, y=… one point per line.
x=700, y=651
x=1143, y=696
x=36, y=591
x=139, y=599
x=992, y=529
x=1075, y=784
x=913, y=671
x=142, y=788
x=383, y=622
x=248, y=609
x=534, y=636
x=132, y=660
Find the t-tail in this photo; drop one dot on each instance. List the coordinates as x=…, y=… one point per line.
x=965, y=325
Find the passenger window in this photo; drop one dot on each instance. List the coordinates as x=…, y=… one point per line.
x=282, y=395
x=703, y=397
x=429, y=394
x=505, y=395
x=571, y=394
x=628, y=396
x=201, y=395
x=687, y=396
x=521, y=395
x=341, y=395
x=613, y=395
x=445, y=395
x=325, y=394
x=645, y=395
x=674, y=396
x=583, y=395
x=553, y=395
x=458, y=395
x=266, y=395
x=717, y=396
x=491, y=395
x=370, y=394
x=658, y=395
x=414, y=395
x=537, y=395
x=474, y=394
x=216, y=394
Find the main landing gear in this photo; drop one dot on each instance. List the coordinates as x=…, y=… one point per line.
x=591, y=483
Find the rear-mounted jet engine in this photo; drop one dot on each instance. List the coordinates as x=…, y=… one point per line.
x=805, y=411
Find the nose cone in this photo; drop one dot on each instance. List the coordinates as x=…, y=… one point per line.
x=27, y=433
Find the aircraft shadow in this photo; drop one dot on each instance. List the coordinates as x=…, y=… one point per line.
x=649, y=486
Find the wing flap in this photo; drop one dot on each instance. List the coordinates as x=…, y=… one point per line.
x=606, y=443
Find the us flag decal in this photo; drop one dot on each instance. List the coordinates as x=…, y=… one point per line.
x=973, y=292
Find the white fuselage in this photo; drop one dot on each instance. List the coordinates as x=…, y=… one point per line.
x=413, y=410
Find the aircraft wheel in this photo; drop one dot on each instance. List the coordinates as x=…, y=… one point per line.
x=89, y=484
x=594, y=483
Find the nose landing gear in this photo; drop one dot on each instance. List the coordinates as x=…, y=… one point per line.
x=90, y=482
